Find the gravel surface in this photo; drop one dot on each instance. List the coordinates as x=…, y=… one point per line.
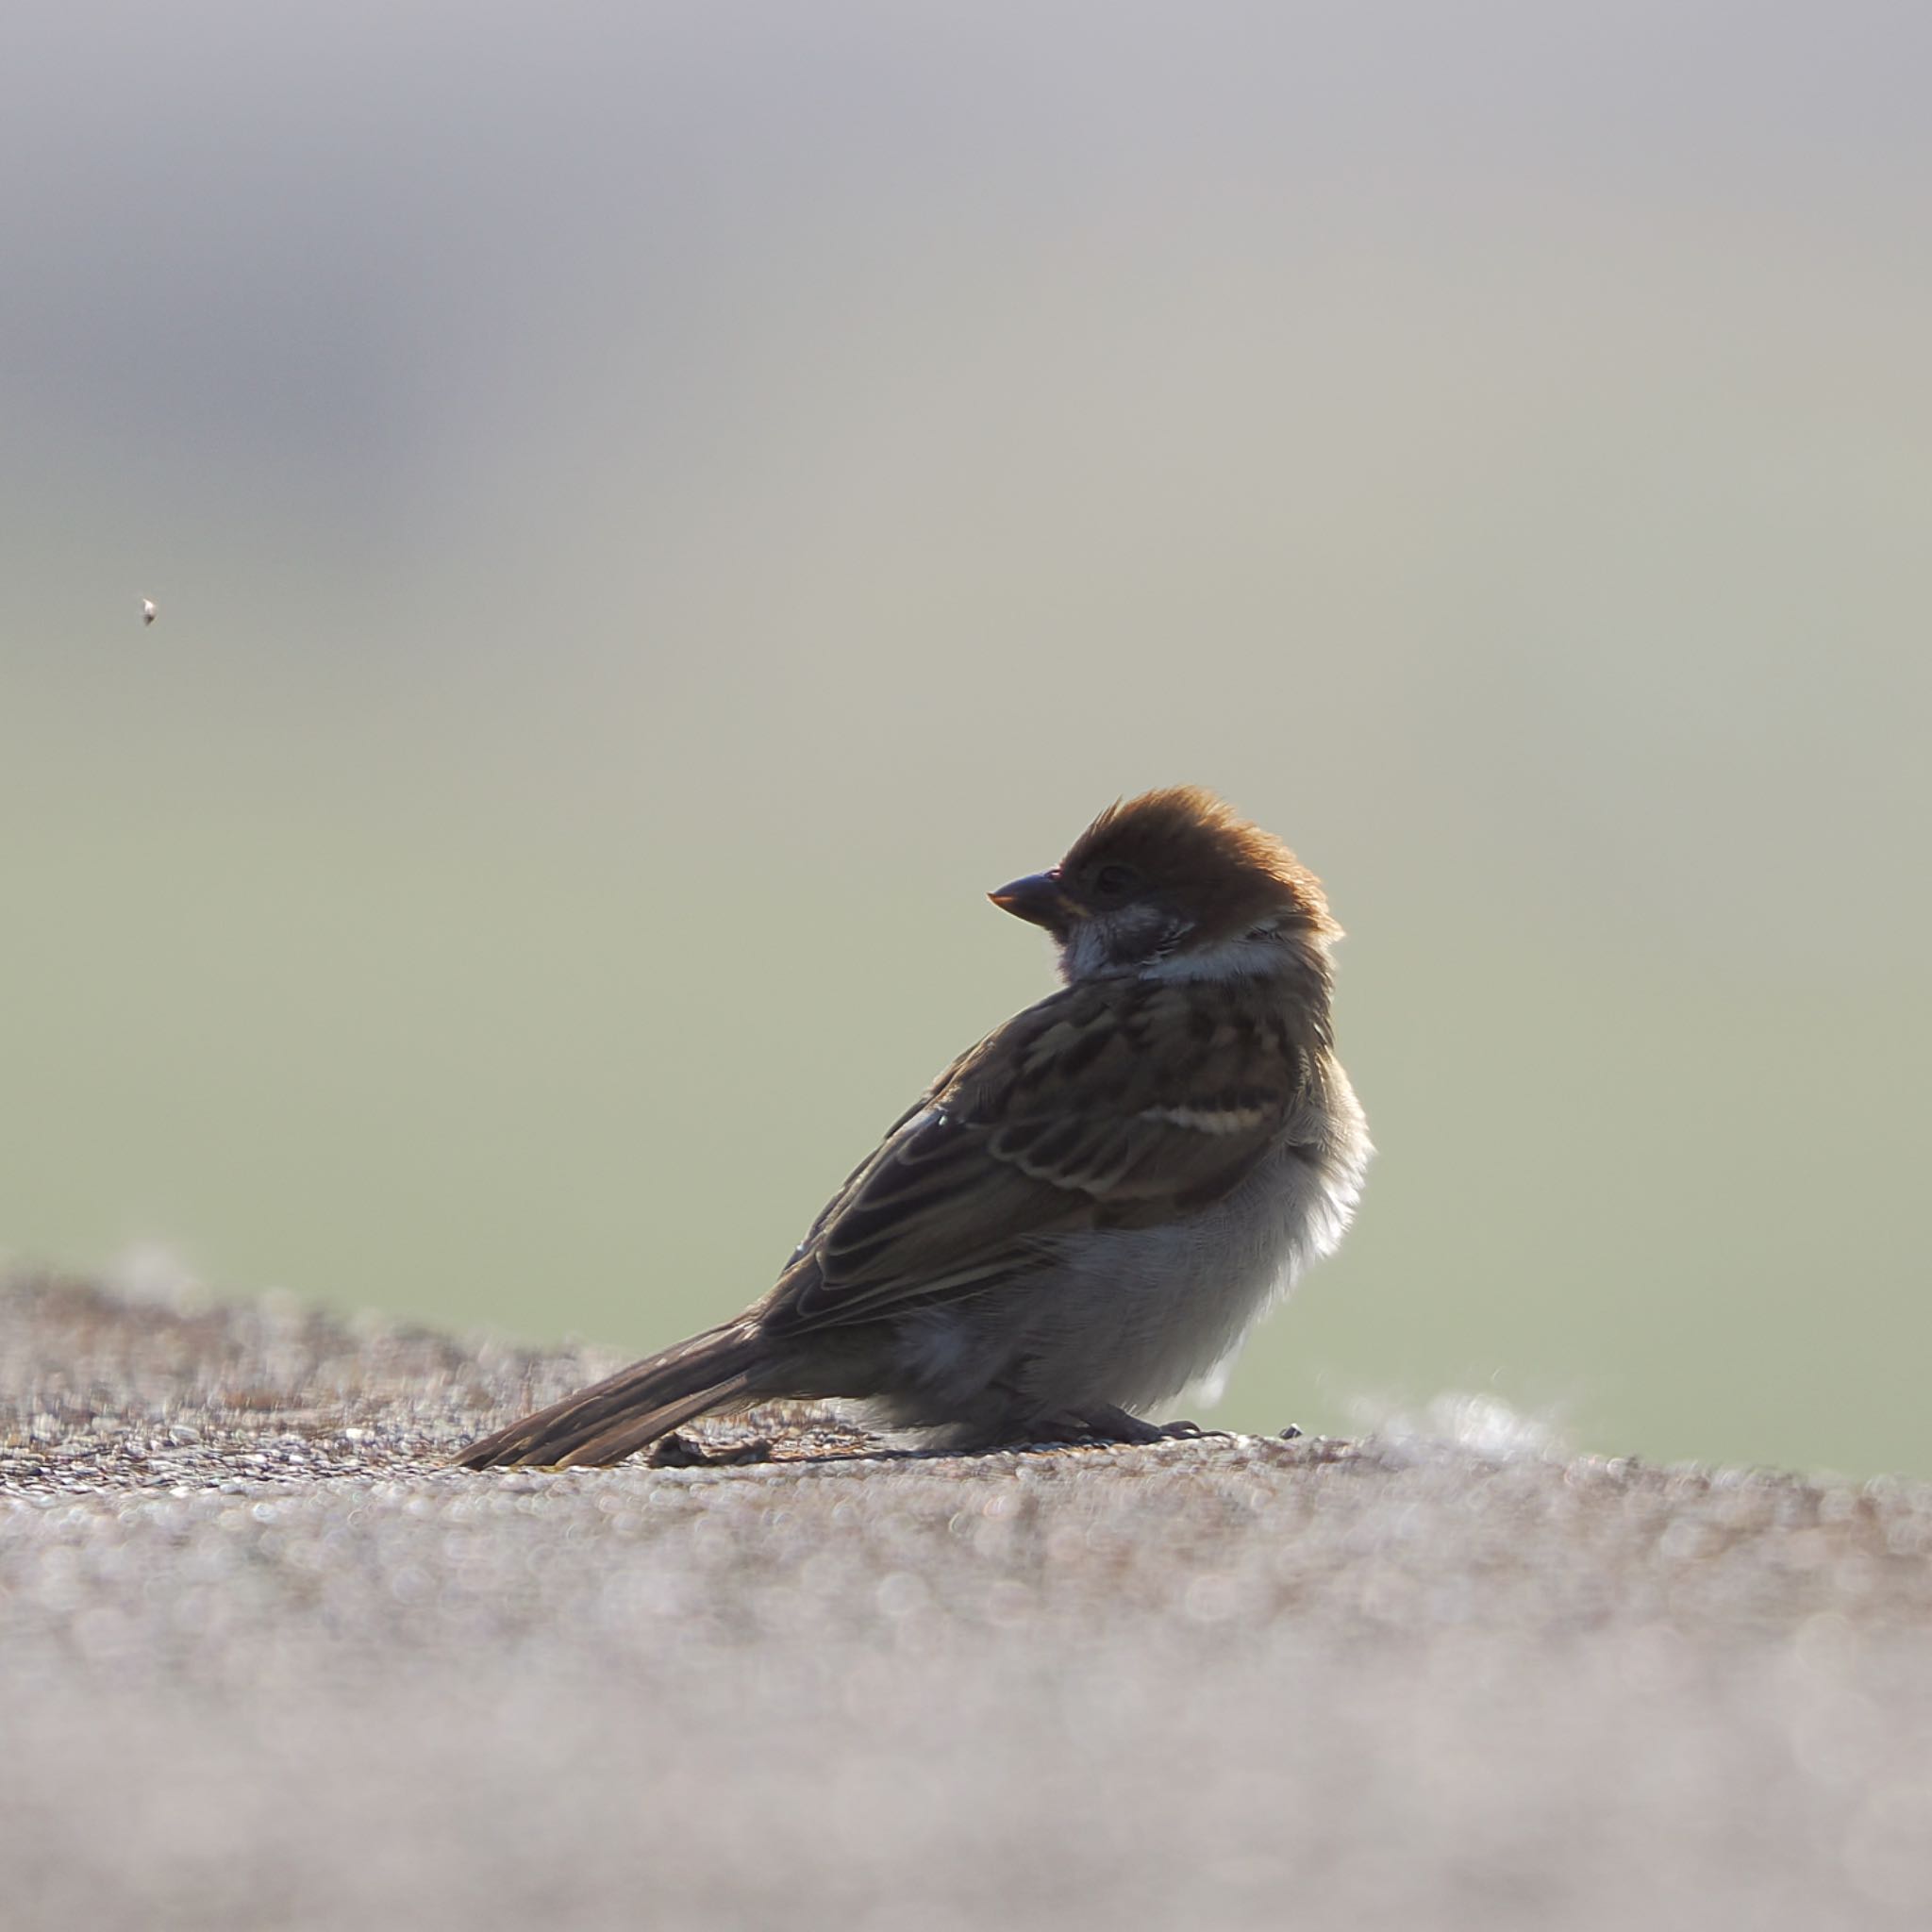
x=264, y=1663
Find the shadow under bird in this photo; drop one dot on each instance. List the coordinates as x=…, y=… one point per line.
x=1085, y=1212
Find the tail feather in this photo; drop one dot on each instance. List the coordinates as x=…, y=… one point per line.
x=607, y=1422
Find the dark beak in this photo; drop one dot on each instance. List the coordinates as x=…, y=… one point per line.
x=1040, y=899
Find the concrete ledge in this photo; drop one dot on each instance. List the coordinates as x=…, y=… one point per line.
x=264, y=1663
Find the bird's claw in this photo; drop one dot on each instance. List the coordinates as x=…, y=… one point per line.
x=680, y=1450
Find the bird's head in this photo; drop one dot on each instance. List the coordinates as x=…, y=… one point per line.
x=1175, y=884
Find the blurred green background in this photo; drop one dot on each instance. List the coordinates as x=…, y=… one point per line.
x=654, y=510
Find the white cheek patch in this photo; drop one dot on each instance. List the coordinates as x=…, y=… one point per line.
x=1209, y=1120
x=1115, y=943
x=1254, y=955
x=1085, y=955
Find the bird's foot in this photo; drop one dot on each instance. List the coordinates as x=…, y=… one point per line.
x=680, y=1450
x=1186, y=1432
x=1107, y=1423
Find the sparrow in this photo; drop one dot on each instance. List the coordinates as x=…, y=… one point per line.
x=1087, y=1211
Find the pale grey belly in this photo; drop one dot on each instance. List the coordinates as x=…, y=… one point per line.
x=1130, y=1316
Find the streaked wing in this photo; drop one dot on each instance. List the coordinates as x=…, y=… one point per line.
x=1113, y=1104
x=830, y=1209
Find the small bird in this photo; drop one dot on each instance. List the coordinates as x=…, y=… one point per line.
x=147, y=610
x=1085, y=1212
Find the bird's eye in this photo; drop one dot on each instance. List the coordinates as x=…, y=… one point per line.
x=1114, y=881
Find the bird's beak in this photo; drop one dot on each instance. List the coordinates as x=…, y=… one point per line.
x=1038, y=898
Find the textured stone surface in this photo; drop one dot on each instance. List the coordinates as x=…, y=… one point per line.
x=263, y=1662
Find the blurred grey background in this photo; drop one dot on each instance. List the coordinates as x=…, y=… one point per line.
x=654, y=510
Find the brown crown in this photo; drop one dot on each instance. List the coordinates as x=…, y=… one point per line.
x=1230, y=874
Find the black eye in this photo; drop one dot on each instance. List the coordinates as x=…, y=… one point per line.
x=1114, y=881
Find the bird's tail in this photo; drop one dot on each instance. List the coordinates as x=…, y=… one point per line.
x=607, y=1422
